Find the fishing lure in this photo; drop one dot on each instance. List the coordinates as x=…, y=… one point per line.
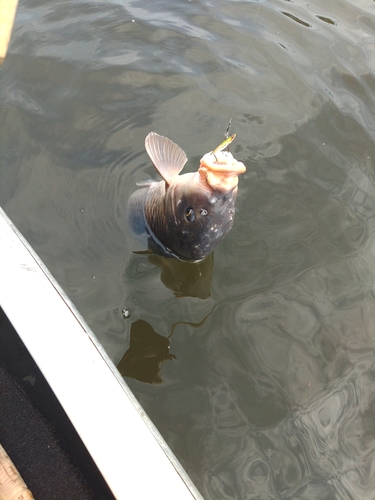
x=224, y=144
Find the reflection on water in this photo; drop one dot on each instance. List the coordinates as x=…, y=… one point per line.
x=271, y=390
x=185, y=279
x=147, y=351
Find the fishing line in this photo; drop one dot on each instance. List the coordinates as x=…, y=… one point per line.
x=256, y=15
x=227, y=134
x=194, y=325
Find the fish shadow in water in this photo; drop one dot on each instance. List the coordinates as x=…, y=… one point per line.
x=148, y=350
x=185, y=279
x=146, y=353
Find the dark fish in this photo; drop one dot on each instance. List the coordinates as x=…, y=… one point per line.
x=185, y=216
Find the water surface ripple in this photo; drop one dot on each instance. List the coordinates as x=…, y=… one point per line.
x=262, y=358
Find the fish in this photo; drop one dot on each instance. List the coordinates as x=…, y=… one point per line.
x=185, y=216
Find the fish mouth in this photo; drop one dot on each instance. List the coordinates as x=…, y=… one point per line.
x=220, y=171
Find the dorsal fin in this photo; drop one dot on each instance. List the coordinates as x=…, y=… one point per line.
x=167, y=157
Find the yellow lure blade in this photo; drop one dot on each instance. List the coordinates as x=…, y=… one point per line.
x=224, y=144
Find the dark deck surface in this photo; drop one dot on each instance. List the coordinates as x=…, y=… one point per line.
x=37, y=434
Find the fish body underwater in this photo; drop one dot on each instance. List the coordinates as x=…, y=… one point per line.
x=185, y=216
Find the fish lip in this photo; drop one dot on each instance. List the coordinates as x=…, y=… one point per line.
x=220, y=171
x=222, y=162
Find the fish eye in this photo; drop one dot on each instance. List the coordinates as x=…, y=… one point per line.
x=190, y=214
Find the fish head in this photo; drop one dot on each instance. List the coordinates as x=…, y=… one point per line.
x=220, y=171
x=200, y=207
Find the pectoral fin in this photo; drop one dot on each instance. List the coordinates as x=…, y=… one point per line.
x=168, y=158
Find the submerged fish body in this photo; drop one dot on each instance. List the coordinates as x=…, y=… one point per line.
x=185, y=216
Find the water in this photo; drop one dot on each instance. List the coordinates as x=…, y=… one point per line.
x=265, y=351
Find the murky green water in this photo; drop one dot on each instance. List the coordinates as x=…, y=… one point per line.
x=269, y=382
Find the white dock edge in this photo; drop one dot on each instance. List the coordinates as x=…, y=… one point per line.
x=129, y=451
